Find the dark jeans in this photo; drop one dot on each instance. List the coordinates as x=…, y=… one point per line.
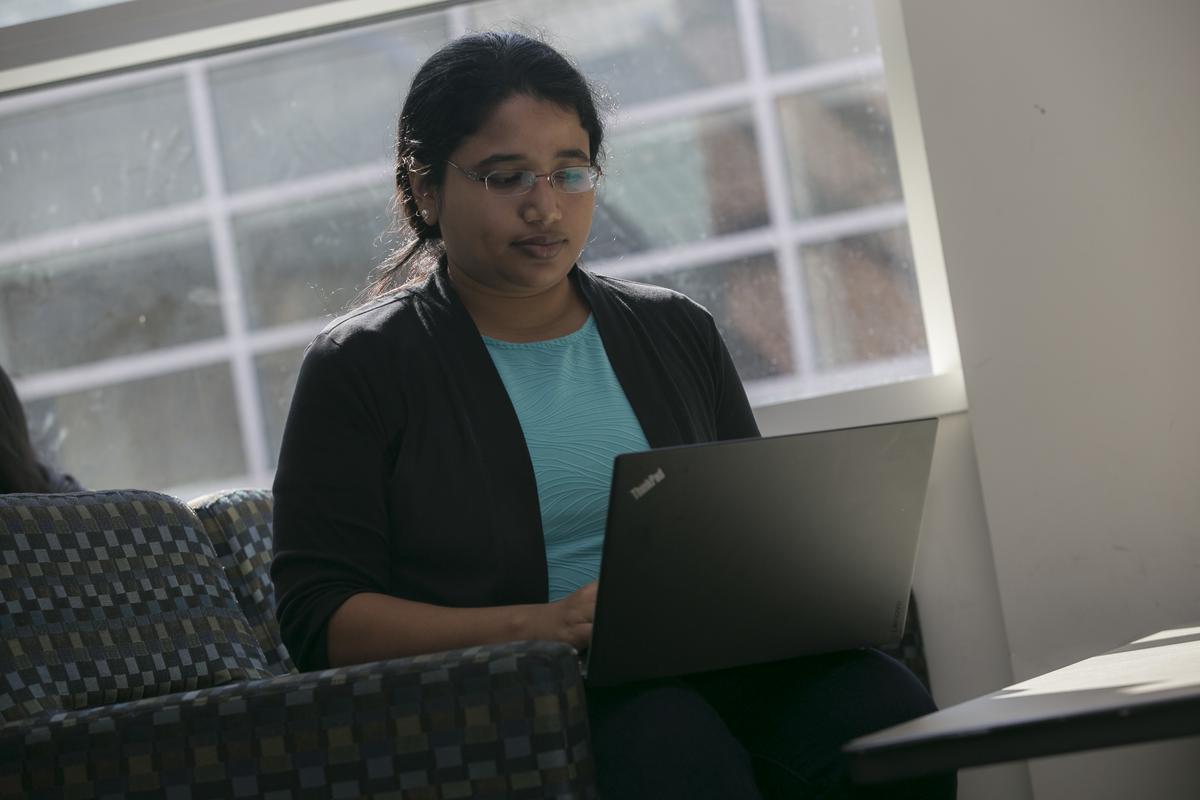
x=764, y=731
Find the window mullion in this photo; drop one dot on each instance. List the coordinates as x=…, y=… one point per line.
x=229, y=286
x=774, y=171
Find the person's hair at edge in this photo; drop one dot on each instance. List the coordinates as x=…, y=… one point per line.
x=20, y=470
x=452, y=96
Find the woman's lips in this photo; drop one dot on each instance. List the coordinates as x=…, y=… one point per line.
x=541, y=249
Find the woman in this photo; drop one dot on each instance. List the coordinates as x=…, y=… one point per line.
x=20, y=470
x=443, y=478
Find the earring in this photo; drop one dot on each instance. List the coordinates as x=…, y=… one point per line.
x=425, y=214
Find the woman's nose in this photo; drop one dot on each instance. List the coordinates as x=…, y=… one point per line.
x=541, y=202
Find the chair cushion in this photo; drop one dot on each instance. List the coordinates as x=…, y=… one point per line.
x=496, y=722
x=112, y=596
x=238, y=523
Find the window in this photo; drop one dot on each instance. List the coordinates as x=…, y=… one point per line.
x=171, y=238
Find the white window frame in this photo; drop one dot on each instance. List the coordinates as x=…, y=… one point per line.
x=941, y=393
x=944, y=391
x=140, y=33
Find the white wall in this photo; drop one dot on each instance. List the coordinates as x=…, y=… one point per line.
x=966, y=646
x=1063, y=143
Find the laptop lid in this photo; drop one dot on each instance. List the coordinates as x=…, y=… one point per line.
x=730, y=553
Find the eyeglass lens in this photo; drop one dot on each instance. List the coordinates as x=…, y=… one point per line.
x=571, y=180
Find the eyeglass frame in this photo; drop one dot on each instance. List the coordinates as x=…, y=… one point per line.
x=471, y=174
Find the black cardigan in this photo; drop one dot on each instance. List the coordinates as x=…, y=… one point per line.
x=404, y=470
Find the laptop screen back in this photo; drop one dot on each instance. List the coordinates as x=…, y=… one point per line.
x=731, y=553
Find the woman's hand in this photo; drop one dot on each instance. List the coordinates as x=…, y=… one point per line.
x=568, y=620
x=371, y=627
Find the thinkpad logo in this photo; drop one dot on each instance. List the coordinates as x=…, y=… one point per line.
x=652, y=480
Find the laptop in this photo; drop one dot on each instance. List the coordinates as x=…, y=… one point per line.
x=731, y=553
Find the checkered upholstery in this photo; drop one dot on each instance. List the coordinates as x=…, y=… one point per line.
x=109, y=597
x=506, y=721
x=131, y=581
x=239, y=524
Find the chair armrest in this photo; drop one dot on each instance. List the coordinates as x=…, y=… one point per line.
x=499, y=721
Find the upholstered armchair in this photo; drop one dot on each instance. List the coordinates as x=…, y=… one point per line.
x=140, y=658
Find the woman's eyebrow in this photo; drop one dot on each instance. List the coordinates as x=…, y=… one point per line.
x=500, y=158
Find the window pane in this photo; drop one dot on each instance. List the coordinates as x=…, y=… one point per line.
x=158, y=433
x=109, y=301
x=309, y=260
x=329, y=104
x=864, y=304
x=802, y=33
x=102, y=157
x=744, y=298
x=680, y=182
x=277, y=373
x=637, y=50
x=840, y=150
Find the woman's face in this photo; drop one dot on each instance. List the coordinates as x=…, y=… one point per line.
x=520, y=245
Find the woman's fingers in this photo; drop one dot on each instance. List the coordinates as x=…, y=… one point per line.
x=581, y=636
x=576, y=612
x=584, y=601
x=585, y=598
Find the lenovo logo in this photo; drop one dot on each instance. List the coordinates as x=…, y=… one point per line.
x=652, y=480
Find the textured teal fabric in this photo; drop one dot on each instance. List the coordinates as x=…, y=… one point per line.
x=575, y=418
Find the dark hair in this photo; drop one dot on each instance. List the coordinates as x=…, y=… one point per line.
x=451, y=97
x=20, y=470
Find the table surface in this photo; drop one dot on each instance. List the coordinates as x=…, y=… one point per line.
x=1149, y=689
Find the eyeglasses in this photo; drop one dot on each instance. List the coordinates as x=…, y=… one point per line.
x=512, y=182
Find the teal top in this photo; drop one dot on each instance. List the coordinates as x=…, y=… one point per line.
x=575, y=418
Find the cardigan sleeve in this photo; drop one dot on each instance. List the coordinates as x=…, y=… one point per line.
x=330, y=504
x=732, y=415
x=735, y=419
